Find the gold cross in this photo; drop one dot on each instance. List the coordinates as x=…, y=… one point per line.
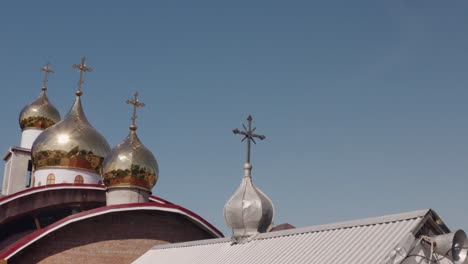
x=136, y=103
x=81, y=68
x=248, y=134
x=46, y=69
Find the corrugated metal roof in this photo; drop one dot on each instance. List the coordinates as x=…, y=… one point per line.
x=366, y=241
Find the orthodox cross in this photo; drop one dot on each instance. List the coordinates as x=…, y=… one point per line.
x=136, y=103
x=81, y=68
x=46, y=69
x=249, y=135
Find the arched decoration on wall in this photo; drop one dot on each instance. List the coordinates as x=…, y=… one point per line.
x=50, y=179
x=79, y=179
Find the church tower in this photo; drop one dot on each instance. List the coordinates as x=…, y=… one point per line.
x=130, y=170
x=33, y=120
x=72, y=151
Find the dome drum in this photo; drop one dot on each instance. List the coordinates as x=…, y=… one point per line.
x=123, y=195
x=28, y=136
x=49, y=176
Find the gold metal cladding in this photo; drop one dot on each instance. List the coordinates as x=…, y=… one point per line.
x=130, y=164
x=82, y=159
x=71, y=143
x=39, y=114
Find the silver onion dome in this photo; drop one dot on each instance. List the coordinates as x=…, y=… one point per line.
x=249, y=211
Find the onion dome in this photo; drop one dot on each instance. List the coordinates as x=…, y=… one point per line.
x=249, y=211
x=40, y=113
x=71, y=143
x=130, y=163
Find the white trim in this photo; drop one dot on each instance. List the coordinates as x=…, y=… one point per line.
x=105, y=212
x=156, y=200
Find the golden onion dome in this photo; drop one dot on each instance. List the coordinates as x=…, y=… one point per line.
x=39, y=114
x=130, y=164
x=71, y=143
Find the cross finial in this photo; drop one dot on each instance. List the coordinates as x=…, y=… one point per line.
x=81, y=68
x=136, y=103
x=46, y=69
x=249, y=135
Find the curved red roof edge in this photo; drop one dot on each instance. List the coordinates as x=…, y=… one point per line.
x=10, y=250
x=160, y=199
x=54, y=186
x=98, y=186
x=50, y=186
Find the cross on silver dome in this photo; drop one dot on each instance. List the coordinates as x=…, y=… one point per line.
x=249, y=135
x=249, y=211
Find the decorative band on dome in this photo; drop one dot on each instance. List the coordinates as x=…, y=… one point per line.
x=39, y=122
x=142, y=178
x=77, y=159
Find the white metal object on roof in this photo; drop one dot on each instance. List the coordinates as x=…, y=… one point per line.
x=249, y=211
x=380, y=240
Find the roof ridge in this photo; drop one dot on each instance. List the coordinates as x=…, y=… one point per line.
x=311, y=229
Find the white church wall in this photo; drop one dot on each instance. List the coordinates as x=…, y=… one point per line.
x=66, y=175
x=6, y=177
x=16, y=172
x=126, y=195
x=28, y=136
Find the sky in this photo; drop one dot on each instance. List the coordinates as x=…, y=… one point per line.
x=363, y=103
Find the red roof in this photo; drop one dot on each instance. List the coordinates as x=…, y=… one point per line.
x=31, y=238
x=157, y=204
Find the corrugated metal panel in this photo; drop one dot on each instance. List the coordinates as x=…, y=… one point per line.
x=364, y=242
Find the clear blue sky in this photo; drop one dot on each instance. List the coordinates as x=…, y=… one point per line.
x=364, y=103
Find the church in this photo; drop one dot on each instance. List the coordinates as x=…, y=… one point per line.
x=68, y=197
